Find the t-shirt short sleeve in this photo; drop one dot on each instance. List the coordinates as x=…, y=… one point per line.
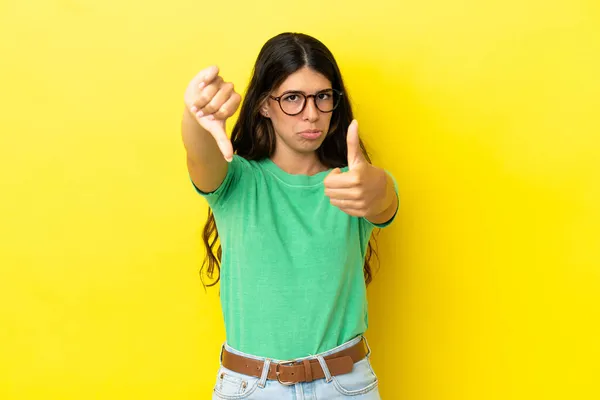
x=236, y=169
x=385, y=224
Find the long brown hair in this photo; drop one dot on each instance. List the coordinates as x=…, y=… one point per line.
x=253, y=136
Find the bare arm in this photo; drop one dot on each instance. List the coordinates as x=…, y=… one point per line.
x=207, y=146
x=205, y=162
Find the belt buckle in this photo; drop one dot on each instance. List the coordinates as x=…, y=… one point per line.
x=277, y=373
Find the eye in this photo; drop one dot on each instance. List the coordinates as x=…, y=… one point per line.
x=324, y=95
x=292, y=98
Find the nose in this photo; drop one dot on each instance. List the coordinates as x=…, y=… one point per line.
x=310, y=112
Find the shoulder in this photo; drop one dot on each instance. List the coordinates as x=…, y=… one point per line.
x=240, y=174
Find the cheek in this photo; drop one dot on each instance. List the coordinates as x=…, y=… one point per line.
x=327, y=122
x=285, y=124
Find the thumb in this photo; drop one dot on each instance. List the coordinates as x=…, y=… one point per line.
x=355, y=155
x=216, y=128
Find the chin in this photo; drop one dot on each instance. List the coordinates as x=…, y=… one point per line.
x=310, y=146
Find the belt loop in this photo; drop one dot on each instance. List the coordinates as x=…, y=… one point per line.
x=328, y=377
x=307, y=371
x=221, y=355
x=368, y=347
x=265, y=373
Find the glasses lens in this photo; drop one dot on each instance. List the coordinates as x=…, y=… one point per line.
x=327, y=100
x=292, y=103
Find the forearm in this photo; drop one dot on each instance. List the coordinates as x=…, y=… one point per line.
x=205, y=162
x=199, y=144
x=390, y=201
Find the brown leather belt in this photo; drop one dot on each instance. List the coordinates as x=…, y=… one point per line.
x=291, y=372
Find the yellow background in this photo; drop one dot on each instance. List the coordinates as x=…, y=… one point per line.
x=487, y=113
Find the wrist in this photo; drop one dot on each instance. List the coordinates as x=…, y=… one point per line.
x=388, y=204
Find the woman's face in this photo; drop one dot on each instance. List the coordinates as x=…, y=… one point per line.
x=290, y=130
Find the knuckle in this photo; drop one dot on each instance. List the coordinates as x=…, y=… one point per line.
x=204, y=99
x=210, y=108
x=222, y=113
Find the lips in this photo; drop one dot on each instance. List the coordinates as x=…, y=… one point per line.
x=311, y=134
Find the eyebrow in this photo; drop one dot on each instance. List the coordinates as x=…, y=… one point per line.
x=300, y=91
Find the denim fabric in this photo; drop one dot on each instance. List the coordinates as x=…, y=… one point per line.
x=360, y=384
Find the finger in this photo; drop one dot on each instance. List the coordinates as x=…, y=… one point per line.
x=205, y=96
x=207, y=75
x=217, y=130
x=352, y=212
x=218, y=99
x=345, y=203
x=343, y=194
x=331, y=176
x=347, y=206
x=226, y=149
x=230, y=107
x=342, y=180
x=355, y=155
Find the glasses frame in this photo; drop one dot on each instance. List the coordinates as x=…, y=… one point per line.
x=306, y=98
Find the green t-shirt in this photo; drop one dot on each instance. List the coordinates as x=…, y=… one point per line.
x=292, y=280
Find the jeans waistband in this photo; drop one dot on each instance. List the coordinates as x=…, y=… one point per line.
x=343, y=346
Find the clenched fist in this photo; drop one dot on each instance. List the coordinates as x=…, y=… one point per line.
x=212, y=100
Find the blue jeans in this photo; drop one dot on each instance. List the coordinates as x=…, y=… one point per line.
x=360, y=384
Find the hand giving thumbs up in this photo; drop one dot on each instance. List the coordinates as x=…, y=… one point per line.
x=363, y=191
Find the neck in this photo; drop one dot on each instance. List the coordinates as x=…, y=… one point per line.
x=298, y=163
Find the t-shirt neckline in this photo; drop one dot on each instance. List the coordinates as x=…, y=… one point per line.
x=294, y=179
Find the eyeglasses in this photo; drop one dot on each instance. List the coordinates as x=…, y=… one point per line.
x=293, y=102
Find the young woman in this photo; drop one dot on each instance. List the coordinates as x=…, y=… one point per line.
x=295, y=200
